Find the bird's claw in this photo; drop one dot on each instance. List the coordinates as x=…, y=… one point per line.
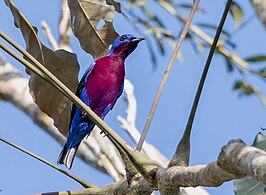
x=83, y=115
x=105, y=134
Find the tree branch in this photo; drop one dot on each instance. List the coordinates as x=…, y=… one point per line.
x=65, y=27
x=236, y=157
x=210, y=175
x=84, y=183
x=47, y=32
x=182, y=153
x=235, y=161
x=64, y=30
x=129, y=126
x=139, y=187
x=239, y=159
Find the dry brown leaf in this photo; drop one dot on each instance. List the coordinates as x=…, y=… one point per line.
x=29, y=36
x=116, y=5
x=86, y=17
x=62, y=64
x=65, y=67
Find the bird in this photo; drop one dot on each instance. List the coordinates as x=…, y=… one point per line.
x=100, y=87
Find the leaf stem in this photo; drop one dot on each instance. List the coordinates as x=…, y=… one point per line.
x=181, y=156
x=84, y=183
x=165, y=76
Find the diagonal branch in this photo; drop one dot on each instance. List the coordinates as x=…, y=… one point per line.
x=84, y=183
x=182, y=153
x=165, y=76
x=47, y=32
x=129, y=126
x=236, y=160
x=65, y=27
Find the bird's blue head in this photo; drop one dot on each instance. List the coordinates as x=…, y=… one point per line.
x=124, y=45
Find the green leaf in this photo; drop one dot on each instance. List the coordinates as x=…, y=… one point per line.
x=244, y=88
x=247, y=185
x=260, y=141
x=160, y=45
x=258, y=58
x=189, y=6
x=229, y=65
x=152, y=17
x=196, y=43
x=212, y=27
x=262, y=72
x=237, y=13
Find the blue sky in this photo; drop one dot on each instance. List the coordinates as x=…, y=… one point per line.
x=222, y=115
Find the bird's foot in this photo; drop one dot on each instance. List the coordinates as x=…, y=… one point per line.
x=104, y=134
x=84, y=115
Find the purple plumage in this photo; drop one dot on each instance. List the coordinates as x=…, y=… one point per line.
x=100, y=87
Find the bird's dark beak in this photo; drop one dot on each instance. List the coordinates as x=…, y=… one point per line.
x=138, y=39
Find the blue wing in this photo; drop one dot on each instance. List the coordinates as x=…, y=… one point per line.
x=121, y=90
x=79, y=90
x=76, y=120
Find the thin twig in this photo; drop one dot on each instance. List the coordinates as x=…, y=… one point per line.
x=165, y=76
x=181, y=156
x=129, y=126
x=84, y=183
x=47, y=32
x=238, y=28
x=65, y=27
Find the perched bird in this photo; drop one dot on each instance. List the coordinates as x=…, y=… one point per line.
x=100, y=87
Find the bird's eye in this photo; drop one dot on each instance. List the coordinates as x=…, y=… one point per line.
x=122, y=38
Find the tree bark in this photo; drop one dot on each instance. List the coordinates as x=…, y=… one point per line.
x=235, y=161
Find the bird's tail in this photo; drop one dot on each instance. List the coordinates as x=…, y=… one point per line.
x=67, y=156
